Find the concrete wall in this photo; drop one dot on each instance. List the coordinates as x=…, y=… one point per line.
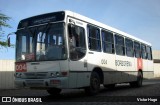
x=156, y=60
x=156, y=54
x=156, y=69
x=7, y=74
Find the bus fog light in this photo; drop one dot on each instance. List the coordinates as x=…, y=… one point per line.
x=53, y=75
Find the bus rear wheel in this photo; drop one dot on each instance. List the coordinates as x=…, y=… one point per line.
x=94, y=87
x=138, y=83
x=54, y=91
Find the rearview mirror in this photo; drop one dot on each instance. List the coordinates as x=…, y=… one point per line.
x=9, y=43
x=8, y=38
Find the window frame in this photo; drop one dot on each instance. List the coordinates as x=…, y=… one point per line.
x=149, y=53
x=107, y=42
x=96, y=39
x=131, y=49
x=143, y=51
x=137, y=50
x=85, y=45
x=117, y=44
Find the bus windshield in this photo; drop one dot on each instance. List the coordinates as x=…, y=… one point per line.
x=41, y=43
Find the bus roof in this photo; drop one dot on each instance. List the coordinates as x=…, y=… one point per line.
x=89, y=20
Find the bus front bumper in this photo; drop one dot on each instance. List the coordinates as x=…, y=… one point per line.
x=60, y=82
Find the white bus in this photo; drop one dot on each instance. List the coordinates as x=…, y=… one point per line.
x=64, y=50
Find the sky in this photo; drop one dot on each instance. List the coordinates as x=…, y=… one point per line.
x=140, y=18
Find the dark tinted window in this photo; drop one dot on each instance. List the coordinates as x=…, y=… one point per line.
x=137, y=50
x=119, y=45
x=94, y=38
x=129, y=47
x=108, y=42
x=143, y=51
x=149, y=53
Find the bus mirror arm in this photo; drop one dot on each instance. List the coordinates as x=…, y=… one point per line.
x=8, y=38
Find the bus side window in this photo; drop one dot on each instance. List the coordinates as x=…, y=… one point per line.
x=94, y=38
x=137, y=50
x=149, y=53
x=107, y=42
x=143, y=51
x=120, y=49
x=129, y=47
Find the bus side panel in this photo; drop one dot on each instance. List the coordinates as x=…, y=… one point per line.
x=109, y=68
x=79, y=79
x=83, y=79
x=94, y=60
x=126, y=68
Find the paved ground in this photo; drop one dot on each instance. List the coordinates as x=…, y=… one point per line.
x=123, y=94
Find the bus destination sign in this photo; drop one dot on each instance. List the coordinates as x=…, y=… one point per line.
x=42, y=19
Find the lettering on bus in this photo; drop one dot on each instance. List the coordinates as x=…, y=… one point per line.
x=44, y=20
x=122, y=63
x=103, y=61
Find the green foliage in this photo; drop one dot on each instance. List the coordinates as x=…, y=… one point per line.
x=3, y=23
x=3, y=19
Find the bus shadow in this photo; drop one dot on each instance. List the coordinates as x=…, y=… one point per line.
x=80, y=96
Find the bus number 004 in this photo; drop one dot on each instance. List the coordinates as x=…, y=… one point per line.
x=103, y=61
x=21, y=67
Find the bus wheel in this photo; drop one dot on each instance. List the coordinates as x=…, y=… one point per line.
x=138, y=83
x=94, y=87
x=54, y=91
x=110, y=86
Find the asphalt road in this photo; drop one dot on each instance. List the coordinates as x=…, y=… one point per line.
x=148, y=94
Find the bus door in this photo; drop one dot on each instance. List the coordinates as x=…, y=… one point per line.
x=77, y=53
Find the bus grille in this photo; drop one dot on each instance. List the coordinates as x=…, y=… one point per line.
x=34, y=83
x=36, y=75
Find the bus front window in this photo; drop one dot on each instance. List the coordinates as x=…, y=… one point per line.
x=41, y=43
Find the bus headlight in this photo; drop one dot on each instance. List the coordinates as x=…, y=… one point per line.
x=57, y=74
x=52, y=75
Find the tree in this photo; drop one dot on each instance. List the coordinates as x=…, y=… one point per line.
x=3, y=23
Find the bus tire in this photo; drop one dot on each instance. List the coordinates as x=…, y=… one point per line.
x=138, y=83
x=54, y=91
x=94, y=87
